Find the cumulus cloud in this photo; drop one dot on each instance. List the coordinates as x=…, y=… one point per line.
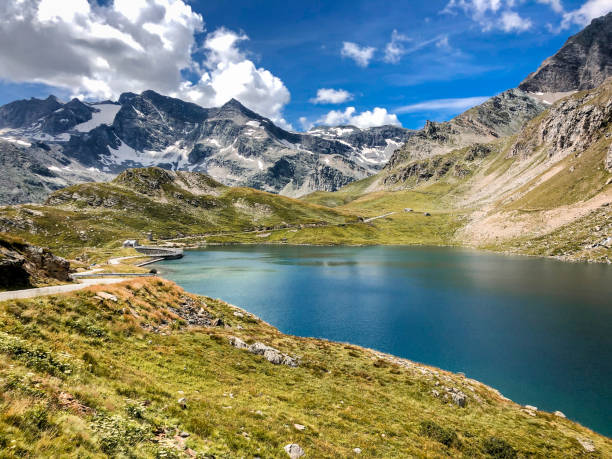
x=443, y=105
x=99, y=51
x=493, y=14
x=227, y=73
x=362, y=55
x=555, y=5
x=331, y=96
x=512, y=21
x=368, y=118
x=586, y=13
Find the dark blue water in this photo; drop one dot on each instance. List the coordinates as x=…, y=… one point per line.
x=538, y=330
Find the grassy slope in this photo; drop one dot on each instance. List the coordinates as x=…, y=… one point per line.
x=103, y=214
x=86, y=377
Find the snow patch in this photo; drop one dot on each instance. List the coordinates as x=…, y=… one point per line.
x=106, y=115
x=17, y=141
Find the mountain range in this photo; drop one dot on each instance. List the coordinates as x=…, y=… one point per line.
x=47, y=144
x=96, y=141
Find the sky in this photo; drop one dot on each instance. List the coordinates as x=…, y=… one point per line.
x=300, y=63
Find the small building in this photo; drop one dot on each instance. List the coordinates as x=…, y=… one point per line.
x=130, y=243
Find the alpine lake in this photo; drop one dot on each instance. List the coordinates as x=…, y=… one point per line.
x=538, y=330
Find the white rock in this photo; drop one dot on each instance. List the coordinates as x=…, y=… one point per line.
x=294, y=450
x=238, y=343
x=531, y=407
x=588, y=445
x=357, y=450
x=299, y=426
x=560, y=414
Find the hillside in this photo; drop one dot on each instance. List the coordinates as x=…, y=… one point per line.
x=545, y=191
x=166, y=203
x=148, y=370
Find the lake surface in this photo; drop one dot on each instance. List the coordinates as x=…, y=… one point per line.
x=538, y=330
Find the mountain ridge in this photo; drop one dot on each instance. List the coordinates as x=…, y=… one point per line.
x=583, y=62
x=231, y=142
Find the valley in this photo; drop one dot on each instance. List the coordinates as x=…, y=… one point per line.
x=361, y=257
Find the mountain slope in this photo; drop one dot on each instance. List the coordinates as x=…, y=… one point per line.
x=144, y=369
x=498, y=117
x=546, y=190
x=584, y=61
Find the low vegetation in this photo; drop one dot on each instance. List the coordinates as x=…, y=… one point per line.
x=144, y=369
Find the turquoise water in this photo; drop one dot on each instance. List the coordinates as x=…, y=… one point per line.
x=538, y=330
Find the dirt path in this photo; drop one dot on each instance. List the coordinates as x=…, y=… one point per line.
x=371, y=219
x=41, y=291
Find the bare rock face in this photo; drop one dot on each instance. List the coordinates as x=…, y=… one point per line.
x=499, y=116
x=23, y=265
x=570, y=126
x=609, y=160
x=584, y=61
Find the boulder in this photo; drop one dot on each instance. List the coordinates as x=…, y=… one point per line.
x=270, y=354
x=588, y=445
x=294, y=450
x=238, y=343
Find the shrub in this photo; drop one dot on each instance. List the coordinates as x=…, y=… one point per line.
x=39, y=359
x=117, y=434
x=438, y=433
x=498, y=448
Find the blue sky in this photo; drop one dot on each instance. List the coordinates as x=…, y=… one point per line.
x=411, y=60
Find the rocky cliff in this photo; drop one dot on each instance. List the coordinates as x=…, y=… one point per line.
x=498, y=117
x=23, y=265
x=584, y=61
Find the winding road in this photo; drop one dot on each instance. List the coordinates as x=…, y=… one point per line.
x=42, y=291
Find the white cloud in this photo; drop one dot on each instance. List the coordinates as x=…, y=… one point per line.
x=331, y=96
x=493, y=14
x=99, y=51
x=555, y=5
x=587, y=12
x=369, y=118
x=395, y=48
x=443, y=105
x=361, y=55
x=227, y=73
x=512, y=21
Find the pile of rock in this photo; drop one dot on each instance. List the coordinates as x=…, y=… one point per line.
x=194, y=314
x=270, y=354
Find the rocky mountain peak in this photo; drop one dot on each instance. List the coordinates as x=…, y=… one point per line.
x=25, y=112
x=233, y=107
x=583, y=62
